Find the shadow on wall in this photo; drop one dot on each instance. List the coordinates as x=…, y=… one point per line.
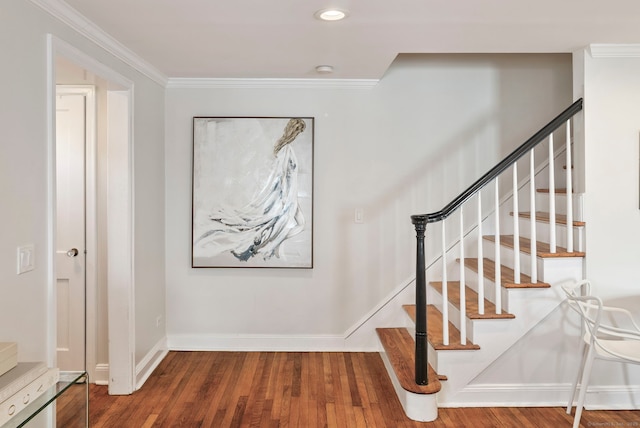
x=456, y=147
x=385, y=241
x=466, y=112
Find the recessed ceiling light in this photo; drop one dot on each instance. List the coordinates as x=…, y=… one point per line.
x=324, y=69
x=331, y=14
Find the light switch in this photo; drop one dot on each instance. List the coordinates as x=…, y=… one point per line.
x=359, y=216
x=26, y=258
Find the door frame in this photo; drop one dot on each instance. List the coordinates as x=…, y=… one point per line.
x=90, y=208
x=121, y=307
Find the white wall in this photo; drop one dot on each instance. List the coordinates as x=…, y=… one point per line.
x=23, y=175
x=149, y=222
x=23, y=180
x=392, y=150
x=612, y=204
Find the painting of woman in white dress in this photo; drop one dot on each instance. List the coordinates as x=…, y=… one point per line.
x=252, y=192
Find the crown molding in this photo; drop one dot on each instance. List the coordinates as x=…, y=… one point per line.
x=69, y=16
x=205, y=83
x=615, y=50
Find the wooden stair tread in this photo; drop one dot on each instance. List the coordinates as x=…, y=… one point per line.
x=545, y=218
x=542, y=248
x=557, y=191
x=400, y=349
x=471, y=300
x=506, y=274
x=434, y=330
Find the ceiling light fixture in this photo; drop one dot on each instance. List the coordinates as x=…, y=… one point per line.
x=324, y=69
x=331, y=14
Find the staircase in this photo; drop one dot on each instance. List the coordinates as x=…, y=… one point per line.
x=471, y=320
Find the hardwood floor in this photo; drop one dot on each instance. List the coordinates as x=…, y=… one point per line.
x=277, y=389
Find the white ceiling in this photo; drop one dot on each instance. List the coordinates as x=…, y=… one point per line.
x=282, y=39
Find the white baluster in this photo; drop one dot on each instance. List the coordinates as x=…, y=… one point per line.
x=463, y=324
x=445, y=291
x=532, y=183
x=498, y=273
x=552, y=199
x=569, y=191
x=516, y=227
x=480, y=257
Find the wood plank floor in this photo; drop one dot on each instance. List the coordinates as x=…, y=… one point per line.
x=278, y=389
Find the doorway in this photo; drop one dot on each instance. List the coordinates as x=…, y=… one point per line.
x=109, y=340
x=75, y=237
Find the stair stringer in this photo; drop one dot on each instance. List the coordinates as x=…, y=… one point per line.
x=495, y=337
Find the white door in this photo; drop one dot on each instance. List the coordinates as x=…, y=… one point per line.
x=70, y=230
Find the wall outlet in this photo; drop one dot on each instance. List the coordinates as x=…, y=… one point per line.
x=26, y=258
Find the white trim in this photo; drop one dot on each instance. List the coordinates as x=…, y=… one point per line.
x=615, y=397
x=205, y=83
x=52, y=314
x=121, y=307
x=619, y=397
x=120, y=243
x=148, y=364
x=69, y=16
x=248, y=342
x=615, y=50
x=383, y=303
x=76, y=56
x=101, y=375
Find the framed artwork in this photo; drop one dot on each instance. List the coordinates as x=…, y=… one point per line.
x=252, y=184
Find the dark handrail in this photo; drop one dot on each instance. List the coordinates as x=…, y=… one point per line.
x=502, y=166
x=420, y=222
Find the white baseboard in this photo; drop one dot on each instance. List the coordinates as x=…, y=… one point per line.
x=246, y=342
x=101, y=374
x=150, y=361
x=617, y=397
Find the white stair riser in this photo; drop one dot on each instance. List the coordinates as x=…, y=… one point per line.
x=454, y=314
x=559, y=270
x=489, y=287
x=543, y=233
x=507, y=257
x=543, y=203
x=475, y=328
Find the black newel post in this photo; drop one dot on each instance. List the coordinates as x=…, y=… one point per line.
x=420, y=223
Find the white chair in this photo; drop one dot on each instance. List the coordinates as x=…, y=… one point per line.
x=603, y=338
